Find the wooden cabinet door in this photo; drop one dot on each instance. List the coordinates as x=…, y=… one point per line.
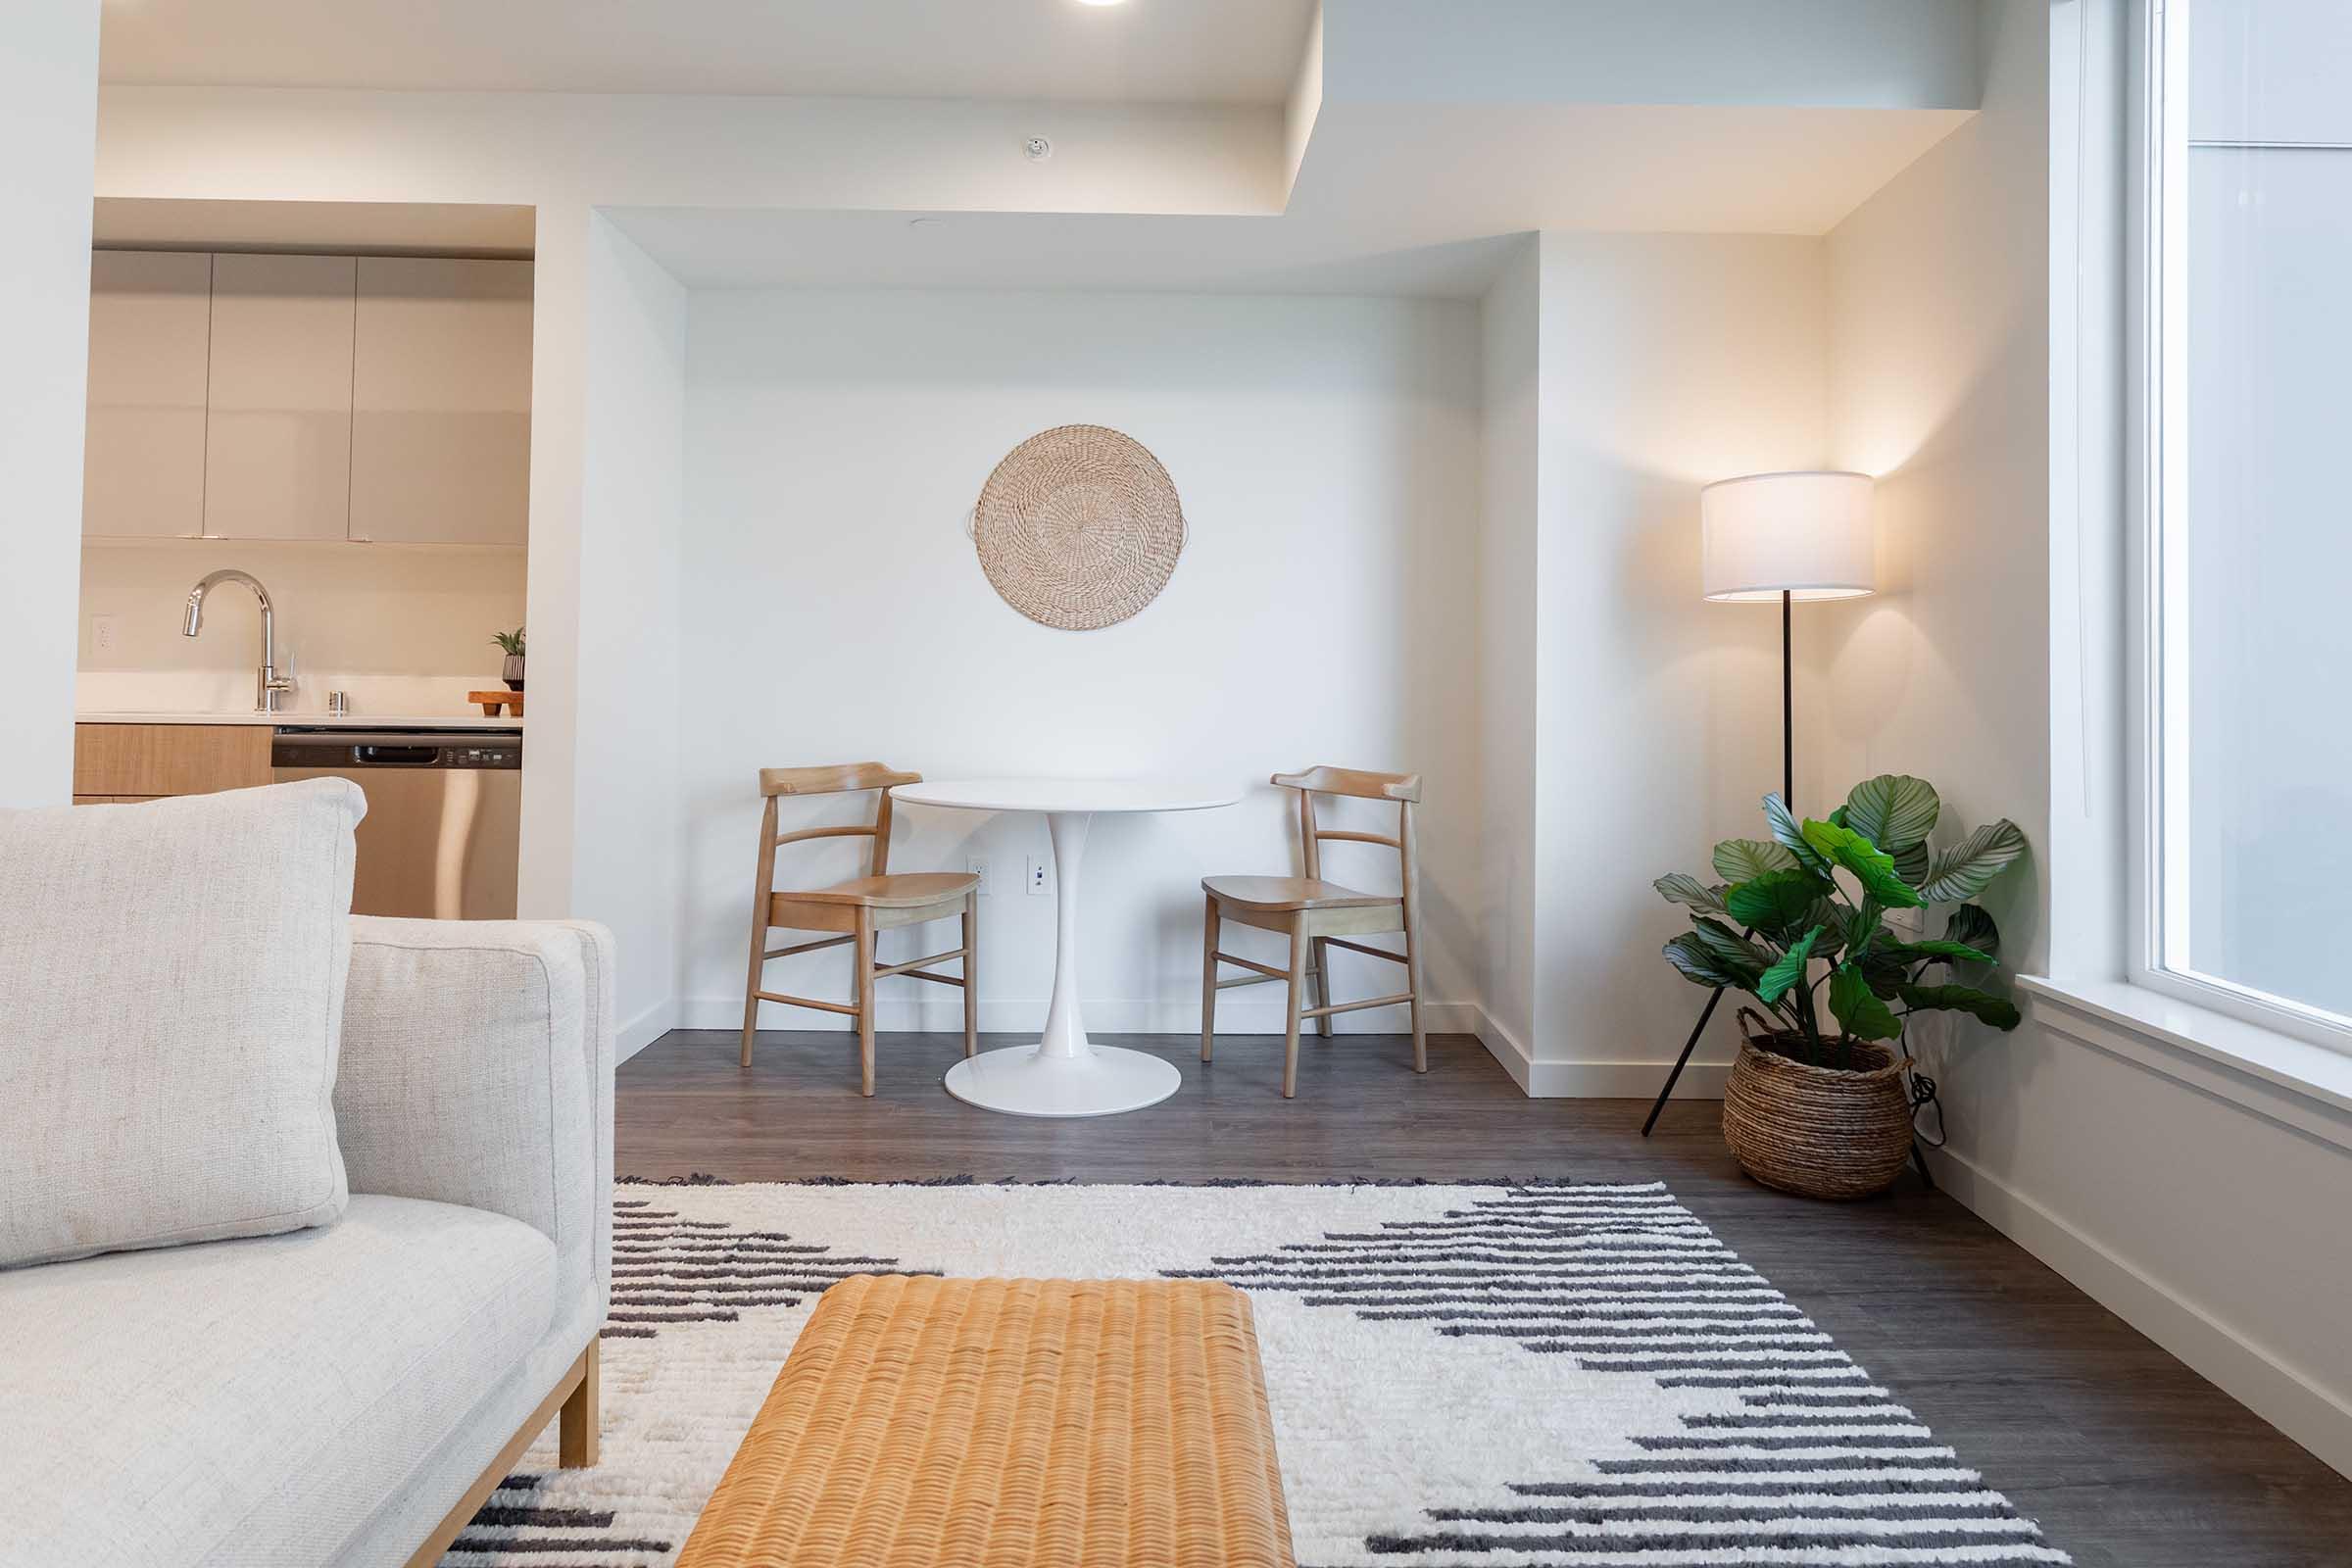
x=441, y=401
x=138, y=761
x=142, y=460
x=277, y=447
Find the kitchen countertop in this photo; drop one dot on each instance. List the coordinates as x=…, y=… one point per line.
x=472, y=719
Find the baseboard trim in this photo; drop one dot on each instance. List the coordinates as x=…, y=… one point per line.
x=944, y=1014
x=1504, y=1047
x=2278, y=1393
x=646, y=1028
x=1236, y=1015
x=1594, y=1080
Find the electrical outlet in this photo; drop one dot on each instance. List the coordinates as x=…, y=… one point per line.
x=1041, y=876
x=979, y=869
x=102, y=634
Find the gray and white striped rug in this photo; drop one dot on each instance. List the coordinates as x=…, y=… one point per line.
x=1495, y=1375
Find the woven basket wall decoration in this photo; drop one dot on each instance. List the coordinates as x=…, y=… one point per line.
x=1079, y=528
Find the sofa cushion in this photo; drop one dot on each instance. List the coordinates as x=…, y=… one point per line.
x=171, y=1004
x=254, y=1401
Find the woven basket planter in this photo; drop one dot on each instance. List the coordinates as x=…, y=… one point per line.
x=1820, y=1132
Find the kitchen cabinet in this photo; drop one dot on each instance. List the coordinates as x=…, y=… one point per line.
x=441, y=401
x=142, y=463
x=373, y=398
x=277, y=443
x=139, y=761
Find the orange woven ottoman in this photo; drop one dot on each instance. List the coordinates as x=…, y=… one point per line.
x=1008, y=1424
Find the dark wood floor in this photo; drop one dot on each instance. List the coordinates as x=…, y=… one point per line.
x=2128, y=1458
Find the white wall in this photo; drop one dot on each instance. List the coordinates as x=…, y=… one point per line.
x=565, y=154
x=1510, y=327
x=49, y=102
x=628, y=702
x=1940, y=365
x=1325, y=452
x=1662, y=363
x=2204, y=1214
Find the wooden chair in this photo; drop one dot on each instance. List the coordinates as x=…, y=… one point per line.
x=859, y=908
x=1319, y=915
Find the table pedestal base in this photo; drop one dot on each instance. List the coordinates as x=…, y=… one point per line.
x=1064, y=1074
x=1032, y=1081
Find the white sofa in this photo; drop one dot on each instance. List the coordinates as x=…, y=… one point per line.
x=348, y=1393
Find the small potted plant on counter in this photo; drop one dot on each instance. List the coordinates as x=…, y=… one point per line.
x=1816, y=1102
x=512, y=643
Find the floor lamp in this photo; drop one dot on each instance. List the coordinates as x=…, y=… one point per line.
x=1786, y=537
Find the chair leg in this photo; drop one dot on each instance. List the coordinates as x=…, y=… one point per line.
x=1290, y=1038
x=865, y=1002
x=751, y=987
x=971, y=974
x=1322, y=974
x=1210, y=924
x=1412, y=978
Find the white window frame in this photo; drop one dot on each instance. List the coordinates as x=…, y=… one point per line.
x=2156, y=720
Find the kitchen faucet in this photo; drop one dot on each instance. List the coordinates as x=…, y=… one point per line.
x=268, y=685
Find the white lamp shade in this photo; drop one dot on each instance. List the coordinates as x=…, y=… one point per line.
x=1808, y=535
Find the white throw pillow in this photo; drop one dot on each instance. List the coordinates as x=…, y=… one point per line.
x=171, y=1007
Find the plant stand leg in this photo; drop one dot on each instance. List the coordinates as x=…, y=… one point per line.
x=1787, y=799
x=1684, y=1061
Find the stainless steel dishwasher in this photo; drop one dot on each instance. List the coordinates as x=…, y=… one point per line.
x=444, y=813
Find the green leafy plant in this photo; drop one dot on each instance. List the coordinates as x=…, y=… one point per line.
x=509, y=641
x=1810, y=904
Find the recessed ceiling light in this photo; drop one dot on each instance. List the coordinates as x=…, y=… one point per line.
x=1102, y=2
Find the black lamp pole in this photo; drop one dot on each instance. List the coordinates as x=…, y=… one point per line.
x=1787, y=799
x=1787, y=715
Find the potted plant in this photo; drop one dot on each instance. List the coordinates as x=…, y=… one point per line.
x=512, y=643
x=1816, y=1102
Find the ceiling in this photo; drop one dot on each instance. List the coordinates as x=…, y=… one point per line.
x=1143, y=51
x=1389, y=201
x=1406, y=182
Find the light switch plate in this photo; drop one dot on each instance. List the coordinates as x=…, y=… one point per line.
x=1041, y=876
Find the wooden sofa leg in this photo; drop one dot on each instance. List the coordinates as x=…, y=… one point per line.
x=575, y=1448
x=577, y=1422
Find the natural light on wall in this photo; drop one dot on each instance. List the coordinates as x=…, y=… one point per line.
x=2250, y=756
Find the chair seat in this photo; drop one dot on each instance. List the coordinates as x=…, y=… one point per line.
x=901, y=892
x=1290, y=893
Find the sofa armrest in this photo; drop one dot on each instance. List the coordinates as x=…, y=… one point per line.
x=477, y=1069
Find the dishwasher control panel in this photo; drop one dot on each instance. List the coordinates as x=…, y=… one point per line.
x=494, y=750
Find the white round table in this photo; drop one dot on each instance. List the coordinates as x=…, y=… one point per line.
x=1064, y=1074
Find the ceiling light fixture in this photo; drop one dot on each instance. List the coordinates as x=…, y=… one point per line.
x=1102, y=2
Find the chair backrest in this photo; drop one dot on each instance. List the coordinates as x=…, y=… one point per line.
x=833, y=779
x=1402, y=788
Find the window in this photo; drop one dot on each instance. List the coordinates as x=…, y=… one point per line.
x=2248, y=653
